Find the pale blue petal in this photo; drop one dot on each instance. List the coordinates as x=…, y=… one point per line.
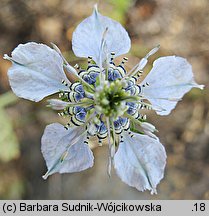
x=36, y=72
x=140, y=162
x=170, y=78
x=88, y=35
x=64, y=150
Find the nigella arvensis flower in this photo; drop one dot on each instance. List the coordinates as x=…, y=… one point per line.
x=105, y=101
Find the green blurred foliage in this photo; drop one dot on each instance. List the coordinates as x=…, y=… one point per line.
x=9, y=146
x=11, y=184
x=122, y=7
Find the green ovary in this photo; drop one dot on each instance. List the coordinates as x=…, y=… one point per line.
x=110, y=100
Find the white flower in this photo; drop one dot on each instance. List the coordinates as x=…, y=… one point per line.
x=105, y=101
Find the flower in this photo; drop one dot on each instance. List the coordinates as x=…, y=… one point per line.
x=105, y=101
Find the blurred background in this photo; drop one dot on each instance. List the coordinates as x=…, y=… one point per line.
x=181, y=27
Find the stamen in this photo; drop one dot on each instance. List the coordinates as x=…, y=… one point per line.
x=126, y=126
x=125, y=59
x=100, y=142
x=89, y=60
x=61, y=114
x=112, y=57
x=139, y=74
x=77, y=66
x=102, y=131
x=130, y=133
x=136, y=114
x=121, y=139
x=67, y=126
x=143, y=117
x=146, y=84
x=75, y=121
x=64, y=82
x=87, y=140
x=61, y=94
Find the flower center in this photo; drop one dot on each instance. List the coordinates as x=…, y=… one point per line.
x=110, y=99
x=93, y=102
